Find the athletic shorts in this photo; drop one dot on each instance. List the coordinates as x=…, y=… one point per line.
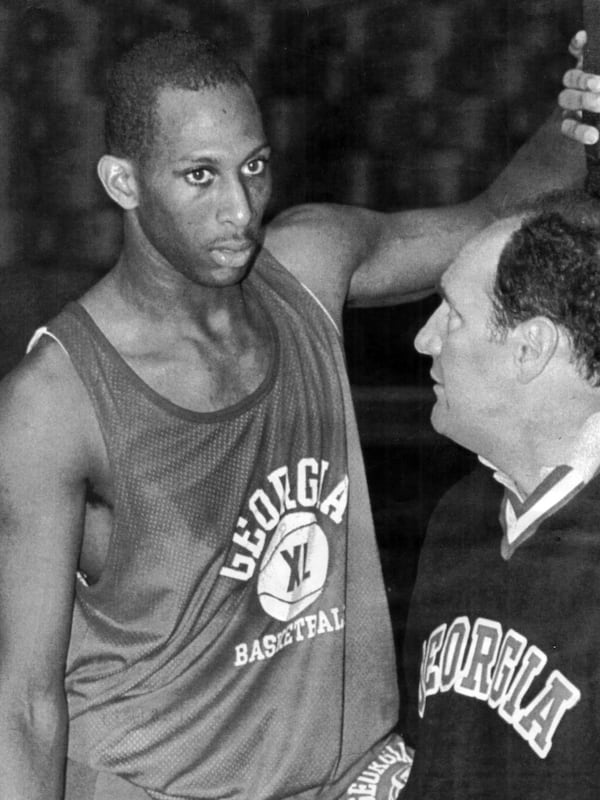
x=383, y=773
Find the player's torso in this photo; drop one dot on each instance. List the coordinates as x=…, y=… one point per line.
x=224, y=583
x=193, y=368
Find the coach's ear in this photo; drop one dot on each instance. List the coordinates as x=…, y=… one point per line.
x=117, y=175
x=535, y=343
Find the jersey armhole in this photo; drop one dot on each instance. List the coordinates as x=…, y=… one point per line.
x=38, y=335
x=322, y=307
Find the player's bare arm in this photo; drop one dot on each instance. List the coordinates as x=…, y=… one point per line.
x=370, y=258
x=367, y=258
x=363, y=257
x=45, y=457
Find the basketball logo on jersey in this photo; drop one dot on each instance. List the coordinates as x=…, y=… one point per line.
x=294, y=566
x=282, y=513
x=280, y=542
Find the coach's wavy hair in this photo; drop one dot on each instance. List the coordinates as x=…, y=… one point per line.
x=176, y=59
x=551, y=267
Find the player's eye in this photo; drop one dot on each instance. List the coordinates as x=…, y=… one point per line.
x=256, y=167
x=201, y=176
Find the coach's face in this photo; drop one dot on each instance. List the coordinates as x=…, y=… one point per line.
x=203, y=192
x=472, y=370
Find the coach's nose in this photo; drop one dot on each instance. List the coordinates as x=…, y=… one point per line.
x=428, y=340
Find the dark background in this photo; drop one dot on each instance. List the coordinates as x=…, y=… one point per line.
x=385, y=103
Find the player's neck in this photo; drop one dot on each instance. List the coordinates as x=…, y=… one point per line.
x=148, y=283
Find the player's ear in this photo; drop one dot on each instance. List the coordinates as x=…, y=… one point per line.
x=535, y=342
x=117, y=175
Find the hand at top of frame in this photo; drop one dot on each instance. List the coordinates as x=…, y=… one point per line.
x=581, y=93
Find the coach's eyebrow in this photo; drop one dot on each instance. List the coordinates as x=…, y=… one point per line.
x=445, y=295
x=441, y=289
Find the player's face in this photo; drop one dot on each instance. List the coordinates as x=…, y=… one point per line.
x=471, y=369
x=203, y=192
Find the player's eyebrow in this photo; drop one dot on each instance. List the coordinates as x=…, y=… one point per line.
x=210, y=159
x=198, y=159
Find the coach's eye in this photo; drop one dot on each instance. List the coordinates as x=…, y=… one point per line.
x=454, y=318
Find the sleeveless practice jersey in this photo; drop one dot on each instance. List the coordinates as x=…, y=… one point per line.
x=238, y=642
x=503, y=650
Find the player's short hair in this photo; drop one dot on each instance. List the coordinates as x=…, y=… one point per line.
x=551, y=267
x=177, y=60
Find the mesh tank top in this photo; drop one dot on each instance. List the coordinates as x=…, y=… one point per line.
x=237, y=643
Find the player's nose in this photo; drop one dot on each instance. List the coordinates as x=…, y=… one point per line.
x=235, y=206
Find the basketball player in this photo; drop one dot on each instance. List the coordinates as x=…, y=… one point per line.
x=191, y=603
x=504, y=636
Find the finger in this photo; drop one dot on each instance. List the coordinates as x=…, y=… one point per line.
x=577, y=44
x=574, y=100
x=584, y=81
x=584, y=134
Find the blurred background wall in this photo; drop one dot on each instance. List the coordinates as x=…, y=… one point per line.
x=387, y=103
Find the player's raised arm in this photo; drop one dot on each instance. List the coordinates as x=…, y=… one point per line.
x=42, y=467
x=372, y=258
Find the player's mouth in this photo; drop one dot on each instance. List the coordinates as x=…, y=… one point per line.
x=233, y=254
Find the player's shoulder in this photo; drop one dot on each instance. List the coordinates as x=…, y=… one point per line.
x=43, y=393
x=322, y=245
x=325, y=229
